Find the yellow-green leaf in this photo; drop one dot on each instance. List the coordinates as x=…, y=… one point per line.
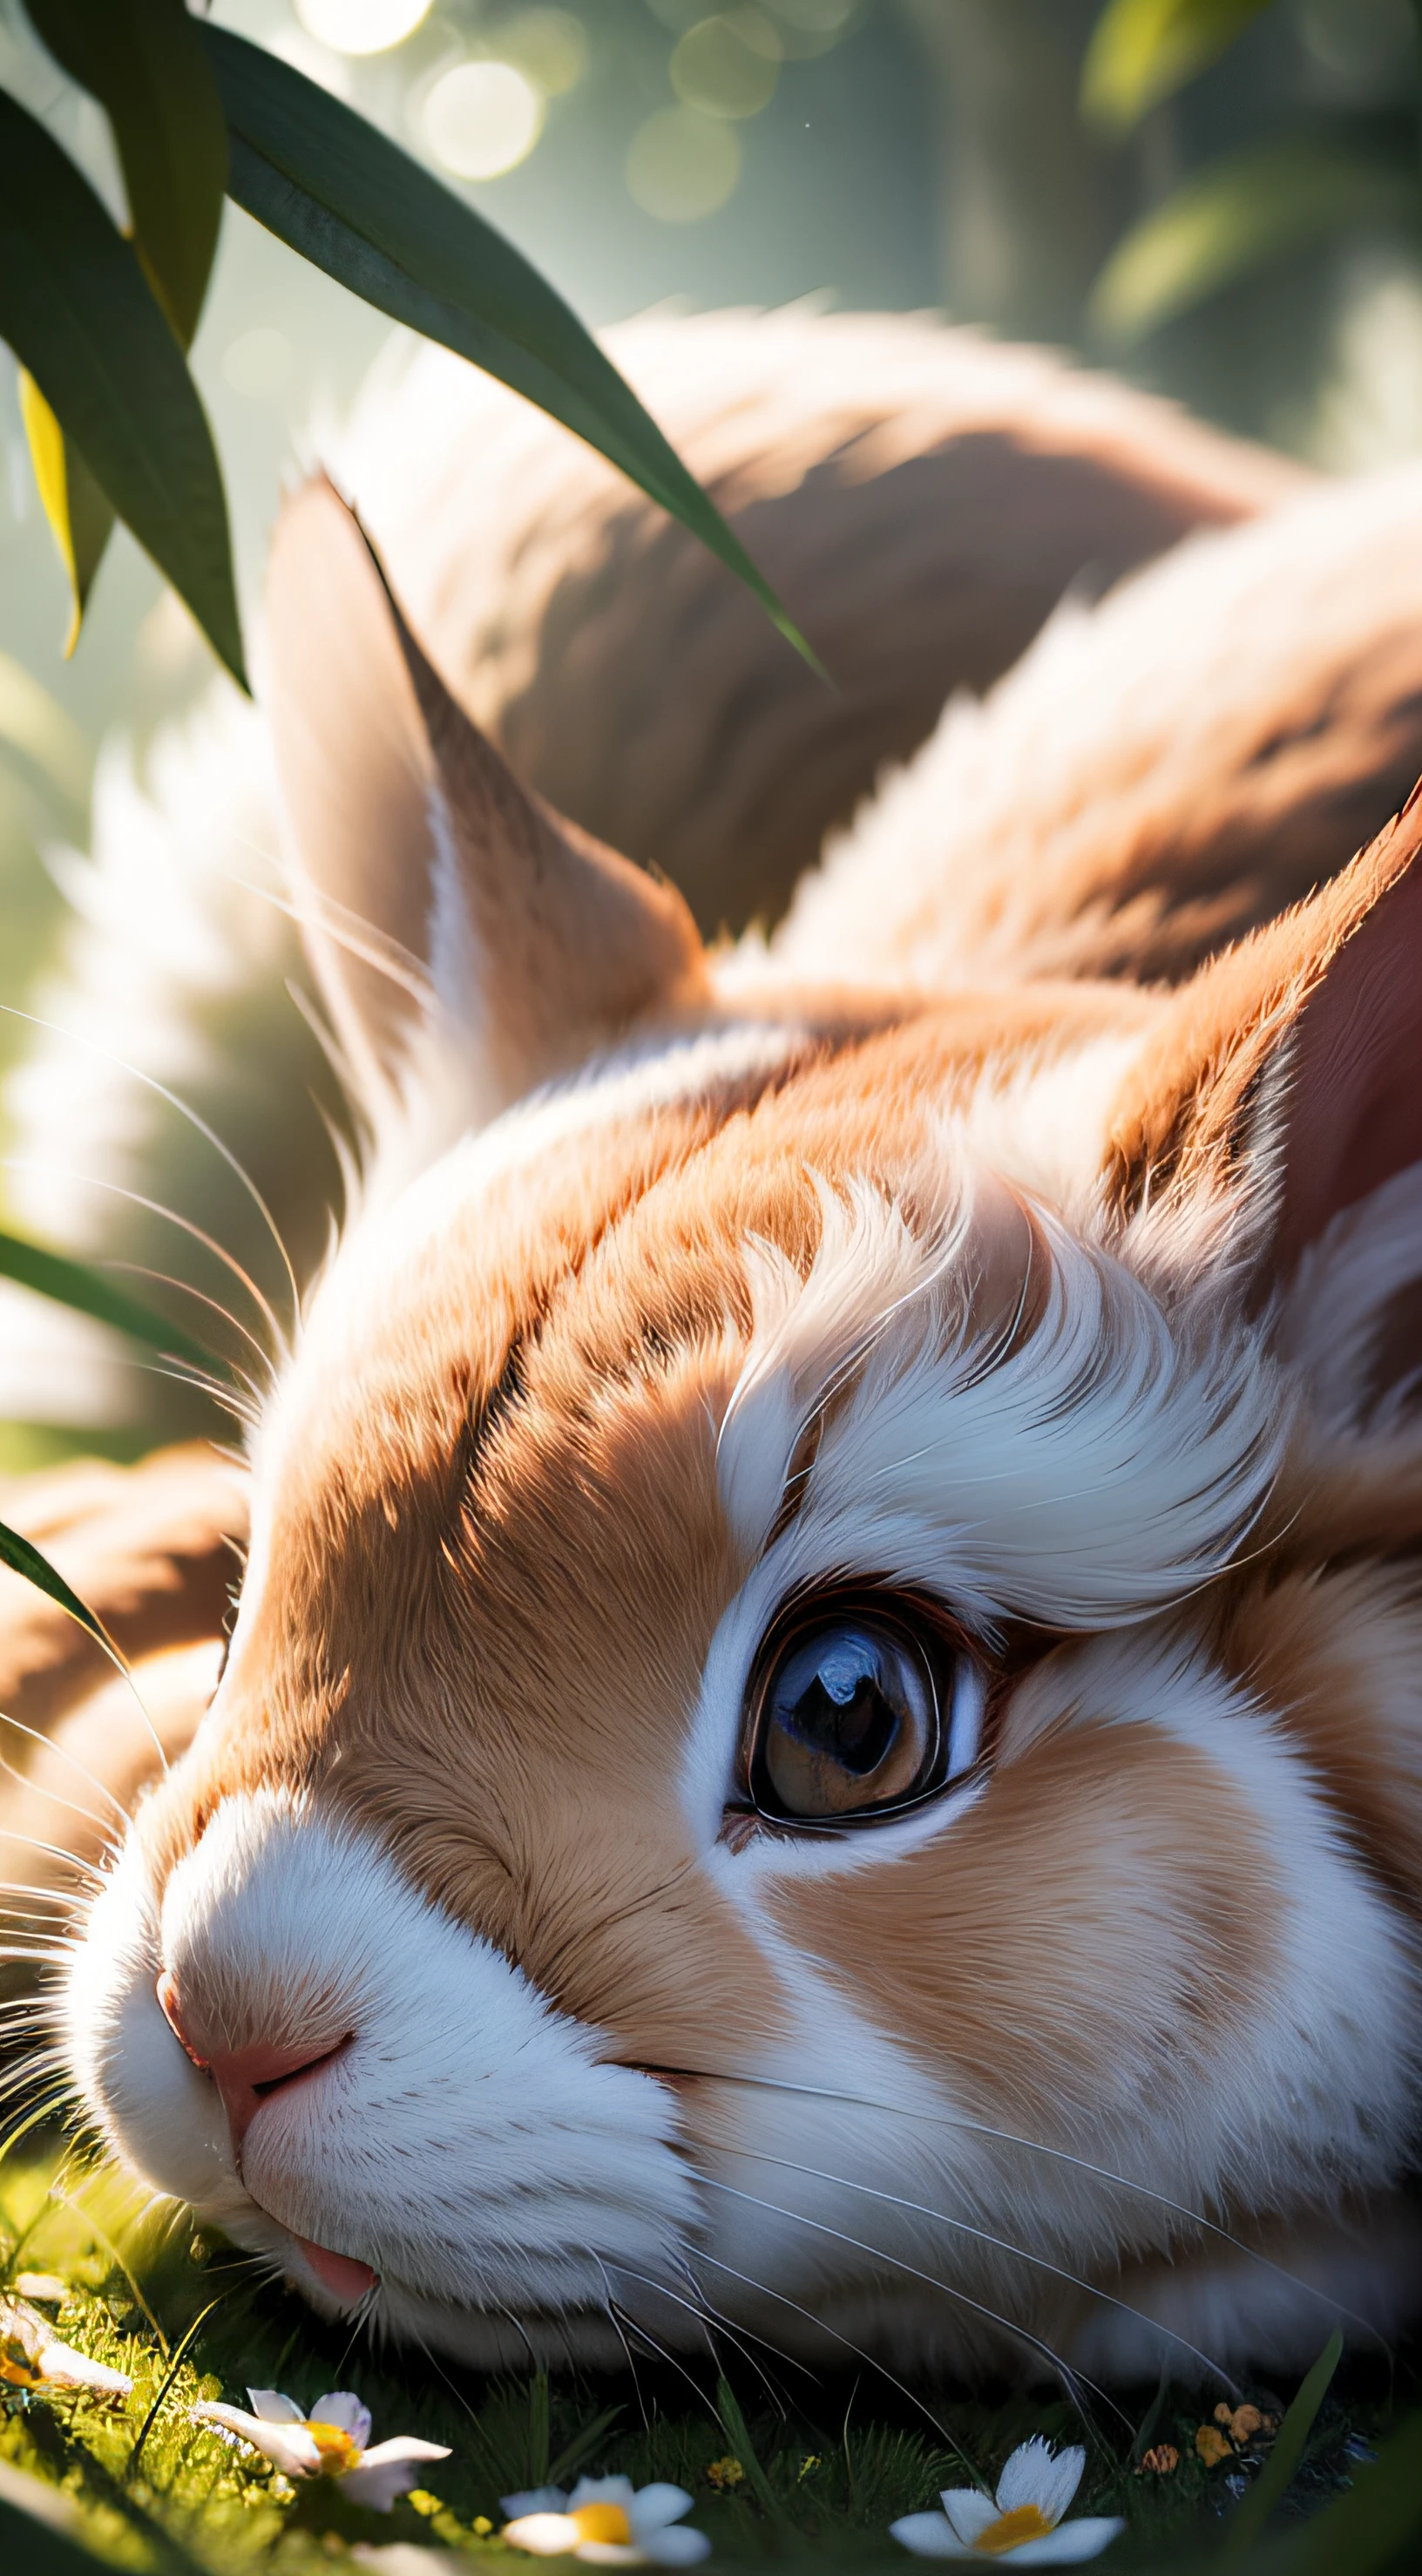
x=79, y=313
x=80, y=518
x=143, y=60
x=1233, y=217
x=1143, y=50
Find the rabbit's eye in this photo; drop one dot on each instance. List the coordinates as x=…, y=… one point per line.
x=855, y=1711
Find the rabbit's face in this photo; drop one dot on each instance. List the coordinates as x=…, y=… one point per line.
x=741, y=1787
x=720, y=1743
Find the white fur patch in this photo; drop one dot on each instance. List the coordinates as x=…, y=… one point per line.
x=1094, y=1472
x=852, y=2186
x=1338, y=1297
x=468, y=2143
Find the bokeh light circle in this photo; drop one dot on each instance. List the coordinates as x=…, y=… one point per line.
x=482, y=119
x=682, y=167
x=361, y=26
x=727, y=65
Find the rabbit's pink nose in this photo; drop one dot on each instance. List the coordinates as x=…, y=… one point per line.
x=245, y=2077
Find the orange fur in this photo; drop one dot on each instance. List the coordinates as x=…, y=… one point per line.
x=683, y=1289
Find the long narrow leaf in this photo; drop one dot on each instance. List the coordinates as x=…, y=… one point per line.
x=88, y=1292
x=23, y=1557
x=143, y=60
x=1272, y=2483
x=1232, y=218
x=1142, y=51
x=326, y=182
x=80, y=518
x=79, y=313
x=1376, y=2526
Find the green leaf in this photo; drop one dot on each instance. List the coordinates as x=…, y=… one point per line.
x=737, y=2432
x=1272, y=2483
x=80, y=519
x=24, y=1558
x=88, y=1292
x=1143, y=50
x=79, y=313
x=351, y=202
x=1375, y=2526
x=143, y=60
x=1232, y=218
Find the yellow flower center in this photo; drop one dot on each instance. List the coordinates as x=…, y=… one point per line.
x=602, y=2522
x=1025, y=2522
x=338, y=2451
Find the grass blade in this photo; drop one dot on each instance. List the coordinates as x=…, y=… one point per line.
x=326, y=182
x=1272, y=2483
x=1375, y=2526
x=88, y=1292
x=733, y=2425
x=79, y=313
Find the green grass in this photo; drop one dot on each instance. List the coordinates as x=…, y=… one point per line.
x=796, y=2472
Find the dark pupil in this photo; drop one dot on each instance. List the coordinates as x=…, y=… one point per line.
x=847, y=1721
x=836, y=1698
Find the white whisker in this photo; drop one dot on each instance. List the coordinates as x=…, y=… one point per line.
x=184, y=1110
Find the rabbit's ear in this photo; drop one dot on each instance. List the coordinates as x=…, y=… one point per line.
x=1290, y=1068
x=423, y=868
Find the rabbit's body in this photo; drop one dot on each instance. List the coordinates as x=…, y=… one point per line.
x=824, y=1728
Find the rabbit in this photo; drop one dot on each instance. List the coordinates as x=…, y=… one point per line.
x=821, y=1737
x=924, y=496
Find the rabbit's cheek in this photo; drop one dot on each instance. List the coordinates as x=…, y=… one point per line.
x=1137, y=1936
x=445, y=2129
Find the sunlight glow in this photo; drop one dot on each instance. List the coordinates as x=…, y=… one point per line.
x=361, y=26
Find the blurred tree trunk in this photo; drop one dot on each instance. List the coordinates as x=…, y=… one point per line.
x=1028, y=205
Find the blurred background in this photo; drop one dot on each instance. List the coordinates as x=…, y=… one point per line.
x=1250, y=246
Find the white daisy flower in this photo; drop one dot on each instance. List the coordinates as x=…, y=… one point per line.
x=329, y=2442
x=1023, y=2521
x=32, y=2356
x=608, y=2521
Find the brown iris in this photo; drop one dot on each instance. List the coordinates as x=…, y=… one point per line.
x=844, y=1713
